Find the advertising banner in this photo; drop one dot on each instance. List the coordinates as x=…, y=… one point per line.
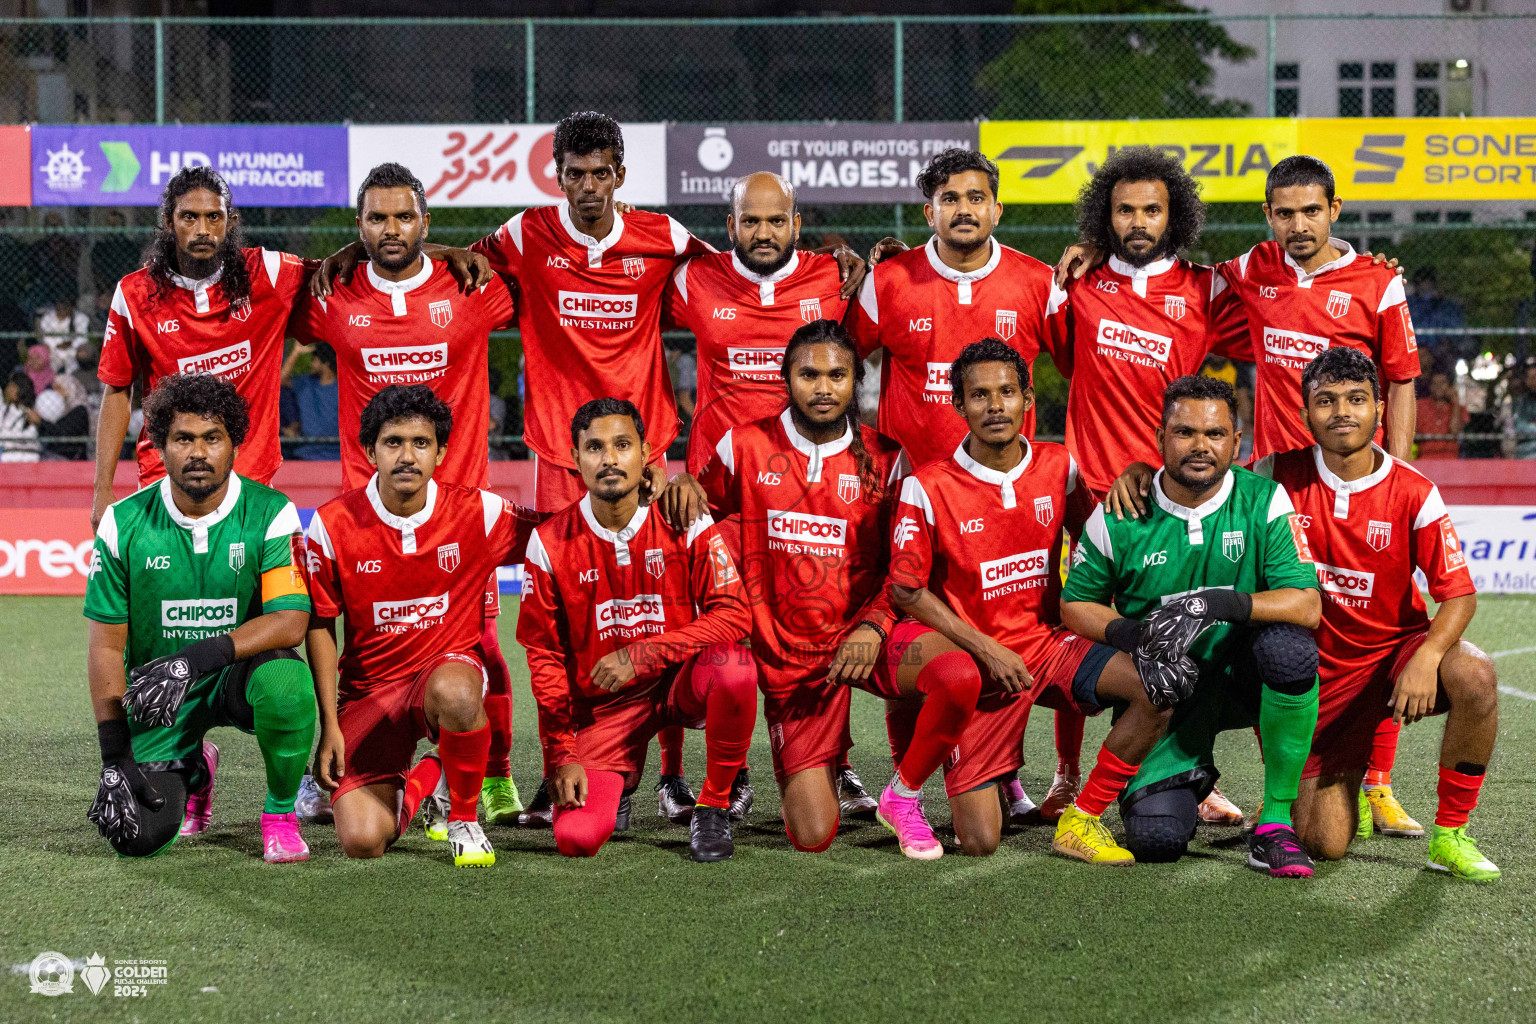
x=15, y=165
x=1434, y=158
x=500, y=164
x=128, y=165
x=847, y=162
x=1500, y=544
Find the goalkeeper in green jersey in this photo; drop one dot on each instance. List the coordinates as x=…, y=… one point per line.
x=196, y=598
x=1214, y=594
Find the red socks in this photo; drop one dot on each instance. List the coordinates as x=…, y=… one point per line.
x=420, y=781
x=1069, y=741
x=1458, y=794
x=1378, y=770
x=670, y=740
x=950, y=684
x=463, y=755
x=1105, y=782
x=582, y=831
x=730, y=713
x=498, y=703
x=900, y=722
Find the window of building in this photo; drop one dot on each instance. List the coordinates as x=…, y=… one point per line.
x=1426, y=88
x=1384, y=88
x=1458, y=216
x=1287, y=91
x=1351, y=97
x=1442, y=88
x=1426, y=216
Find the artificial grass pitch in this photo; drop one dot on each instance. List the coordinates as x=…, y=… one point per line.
x=641, y=934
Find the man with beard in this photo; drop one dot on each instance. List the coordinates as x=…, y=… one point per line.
x=743, y=306
x=404, y=320
x=1218, y=573
x=203, y=303
x=196, y=598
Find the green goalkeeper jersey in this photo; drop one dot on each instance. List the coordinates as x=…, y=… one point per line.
x=175, y=580
x=1245, y=538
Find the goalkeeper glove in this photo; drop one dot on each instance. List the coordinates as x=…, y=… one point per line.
x=156, y=689
x=1171, y=630
x=115, y=811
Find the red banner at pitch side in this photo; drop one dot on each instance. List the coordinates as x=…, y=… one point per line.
x=44, y=550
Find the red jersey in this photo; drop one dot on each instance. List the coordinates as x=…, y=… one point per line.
x=422, y=330
x=1293, y=316
x=743, y=321
x=411, y=589
x=590, y=315
x=923, y=314
x=989, y=543
x=1367, y=537
x=193, y=329
x=815, y=539
x=1123, y=334
x=661, y=594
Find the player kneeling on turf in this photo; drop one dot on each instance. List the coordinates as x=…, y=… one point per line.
x=814, y=490
x=404, y=560
x=983, y=530
x=632, y=626
x=196, y=591
x=1215, y=572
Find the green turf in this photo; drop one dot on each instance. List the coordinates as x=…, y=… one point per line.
x=642, y=934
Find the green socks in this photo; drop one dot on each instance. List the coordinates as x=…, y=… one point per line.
x=1286, y=723
x=282, y=697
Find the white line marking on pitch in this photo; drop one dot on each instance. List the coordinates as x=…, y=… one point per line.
x=1517, y=693
x=1512, y=691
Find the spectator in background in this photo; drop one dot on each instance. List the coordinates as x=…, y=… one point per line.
x=19, y=420
x=1441, y=413
x=63, y=328
x=498, y=417
x=13, y=289
x=317, y=400
x=88, y=355
x=1427, y=364
x=1522, y=412
x=684, y=369
x=39, y=366
x=1430, y=311
x=62, y=413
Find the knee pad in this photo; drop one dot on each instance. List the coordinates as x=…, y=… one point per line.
x=158, y=829
x=1286, y=656
x=284, y=686
x=1159, y=826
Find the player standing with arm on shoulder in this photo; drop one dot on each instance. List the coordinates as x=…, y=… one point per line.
x=196, y=599
x=404, y=560
x=403, y=319
x=631, y=626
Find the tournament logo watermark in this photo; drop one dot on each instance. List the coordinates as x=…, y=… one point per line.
x=53, y=974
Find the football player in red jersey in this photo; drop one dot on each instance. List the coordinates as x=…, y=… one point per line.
x=403, y=319
x=812, y=489
x=404, y=560
x=923, y=306
x=975, y=560
x=632, y=625
x=1125, y=330
x=202, y=303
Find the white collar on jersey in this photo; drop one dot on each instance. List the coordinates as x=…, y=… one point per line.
x=1004, y=481
x=1192, y=516
x=816, y=453
x=962, y=281
x=595, y=248
x=1342, y=489
x=396, y=289
x=200, y=525
x=765, y=282
x=620, y=540
x=1139, y=275
x=198, y=288
x=407, y=527
x=1304, y=279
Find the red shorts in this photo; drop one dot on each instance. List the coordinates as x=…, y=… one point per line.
x=1351, y=704
x=993, y=743
x=807, y=727
x=614, y=736
x=556, y=488
x=382, y=727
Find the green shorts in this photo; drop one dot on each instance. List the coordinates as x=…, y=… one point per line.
x=214, y=700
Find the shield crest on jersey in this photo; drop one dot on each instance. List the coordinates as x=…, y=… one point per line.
x=1232, y=544
x=1173, y=306
x=1338, y=303
x=848, y=487
x=442, y=312
x=655, y=562
x=237, y=555
x=448, y=556
x=1378, y=535
x=1045, y=510
x=1007, y=323
x=810, y=310
x=634, y=266
x=241, y=310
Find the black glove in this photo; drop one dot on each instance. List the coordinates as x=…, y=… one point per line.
x=115, y=811
x=1171, y=630
x=156, y=689
x=1168, y=683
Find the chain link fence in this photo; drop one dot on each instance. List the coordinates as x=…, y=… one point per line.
x=58, y=265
